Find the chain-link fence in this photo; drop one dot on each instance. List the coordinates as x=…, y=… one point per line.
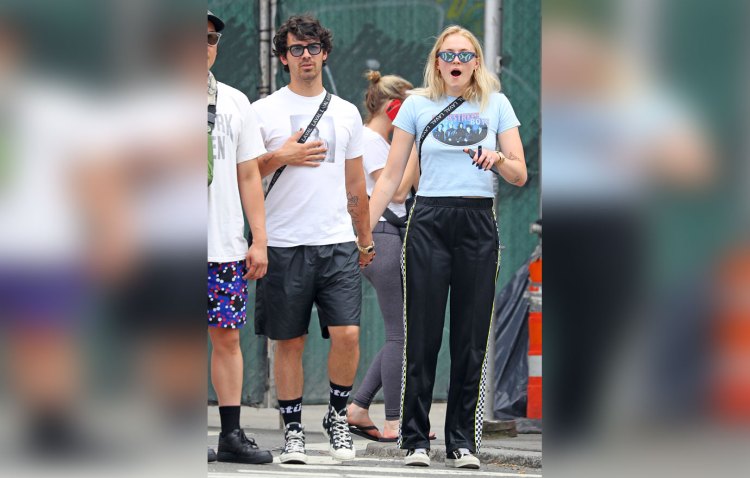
x=395, y=37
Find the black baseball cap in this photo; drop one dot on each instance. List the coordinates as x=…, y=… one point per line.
x=218, y=24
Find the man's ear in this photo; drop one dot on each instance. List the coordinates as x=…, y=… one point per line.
x=283, y=60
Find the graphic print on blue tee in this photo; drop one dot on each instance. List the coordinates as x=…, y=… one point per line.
x=324, y=131
x=461, y=129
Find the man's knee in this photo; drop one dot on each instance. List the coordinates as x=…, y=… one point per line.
x=225, y=340
x=345, y=337
x=291, y=347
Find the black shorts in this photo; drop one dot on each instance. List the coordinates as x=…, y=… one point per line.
x=297, y=277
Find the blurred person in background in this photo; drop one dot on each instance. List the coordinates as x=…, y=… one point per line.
x=236, y=186
x=612, y=141
x=383, y=99
x=314, y=255
x=43, y=261
x=451, y=241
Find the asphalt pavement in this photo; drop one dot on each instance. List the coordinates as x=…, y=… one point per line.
x=519, y=456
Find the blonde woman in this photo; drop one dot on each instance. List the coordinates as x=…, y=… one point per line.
x=451, y=240
x=383, y=99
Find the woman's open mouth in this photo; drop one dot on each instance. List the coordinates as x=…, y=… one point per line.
x=455, y=73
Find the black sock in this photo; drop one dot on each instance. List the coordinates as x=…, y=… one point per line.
x=339, y=396
x=291, y=410
x=230, y=418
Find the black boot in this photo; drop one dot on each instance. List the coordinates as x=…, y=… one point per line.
x=211, y=455
x=235, y=447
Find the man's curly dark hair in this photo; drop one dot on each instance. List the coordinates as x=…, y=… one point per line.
x=302, y=27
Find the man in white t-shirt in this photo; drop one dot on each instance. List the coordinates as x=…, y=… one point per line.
x=236, y=143
x=313, y=252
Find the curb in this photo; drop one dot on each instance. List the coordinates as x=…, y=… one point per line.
x=504, y=456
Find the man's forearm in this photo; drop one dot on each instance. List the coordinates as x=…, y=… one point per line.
x=251, y=195
x=359, y=210
x=268, y=163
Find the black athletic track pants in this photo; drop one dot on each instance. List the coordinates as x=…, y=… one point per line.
x=451, y=244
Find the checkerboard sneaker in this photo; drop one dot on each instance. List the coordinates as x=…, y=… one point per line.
x=340, y=443
x=417, y=457
x=462, y=458
x=294, y=445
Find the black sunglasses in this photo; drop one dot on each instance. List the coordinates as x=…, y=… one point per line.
x=312, y=48
x=213, y=38
x=463, y=57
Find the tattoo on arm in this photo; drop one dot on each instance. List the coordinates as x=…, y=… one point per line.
x=352, y=202
x=516, y=180
x=513, y=157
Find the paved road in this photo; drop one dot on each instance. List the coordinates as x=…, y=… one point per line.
x=322, y=465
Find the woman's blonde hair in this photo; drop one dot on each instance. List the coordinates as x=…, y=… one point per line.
x=483, y=82
x=383, y=89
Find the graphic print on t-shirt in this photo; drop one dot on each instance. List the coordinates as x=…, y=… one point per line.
x=222, y=135
x=323, y=131
x=461, y=129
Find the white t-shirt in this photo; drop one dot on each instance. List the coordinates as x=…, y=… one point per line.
x=374, y=159
x=308, y=206
x=236, y=138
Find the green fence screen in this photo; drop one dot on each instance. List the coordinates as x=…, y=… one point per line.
x=394, y=37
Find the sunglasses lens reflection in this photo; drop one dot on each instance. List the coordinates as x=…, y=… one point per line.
x=463, y=57
x=312, y=48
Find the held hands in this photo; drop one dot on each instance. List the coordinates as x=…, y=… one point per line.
x=366, y=253
x=309, y=154
x=256, y=261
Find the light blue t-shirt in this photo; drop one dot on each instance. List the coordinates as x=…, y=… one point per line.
x=446, y=169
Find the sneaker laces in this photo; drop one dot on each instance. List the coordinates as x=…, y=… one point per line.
x=247, y=441
x=339, y=430
x=295, y=441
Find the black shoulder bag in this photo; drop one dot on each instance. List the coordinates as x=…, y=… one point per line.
x=313, y=123
x=391, y=216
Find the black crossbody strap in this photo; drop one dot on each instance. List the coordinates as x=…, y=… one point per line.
x=434, y=122
x=392, y=219
x=211, y=117
x=321, y=109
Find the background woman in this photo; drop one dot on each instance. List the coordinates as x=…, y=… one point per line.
x=383, y=100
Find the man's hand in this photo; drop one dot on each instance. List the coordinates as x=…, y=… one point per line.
x=293, y=153
x=365, y=259
x=256, y=261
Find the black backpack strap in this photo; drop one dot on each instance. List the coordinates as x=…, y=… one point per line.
x=434, y=122
x=321, y=109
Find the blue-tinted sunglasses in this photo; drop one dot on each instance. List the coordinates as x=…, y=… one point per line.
x=463, y=57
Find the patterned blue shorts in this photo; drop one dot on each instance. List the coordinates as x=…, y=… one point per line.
x=227, y=294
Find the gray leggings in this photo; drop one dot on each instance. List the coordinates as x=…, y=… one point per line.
x=385, y=276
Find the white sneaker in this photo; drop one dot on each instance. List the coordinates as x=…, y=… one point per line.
x=294, y=446
x=340, y=444
x=417, y=457
x=462, y=458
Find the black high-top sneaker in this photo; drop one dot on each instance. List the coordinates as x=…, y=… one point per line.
x=340, y=443
x=294, y=445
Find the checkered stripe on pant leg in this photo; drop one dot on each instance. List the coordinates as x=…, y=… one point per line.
x=479, y=411
x=403, y=359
